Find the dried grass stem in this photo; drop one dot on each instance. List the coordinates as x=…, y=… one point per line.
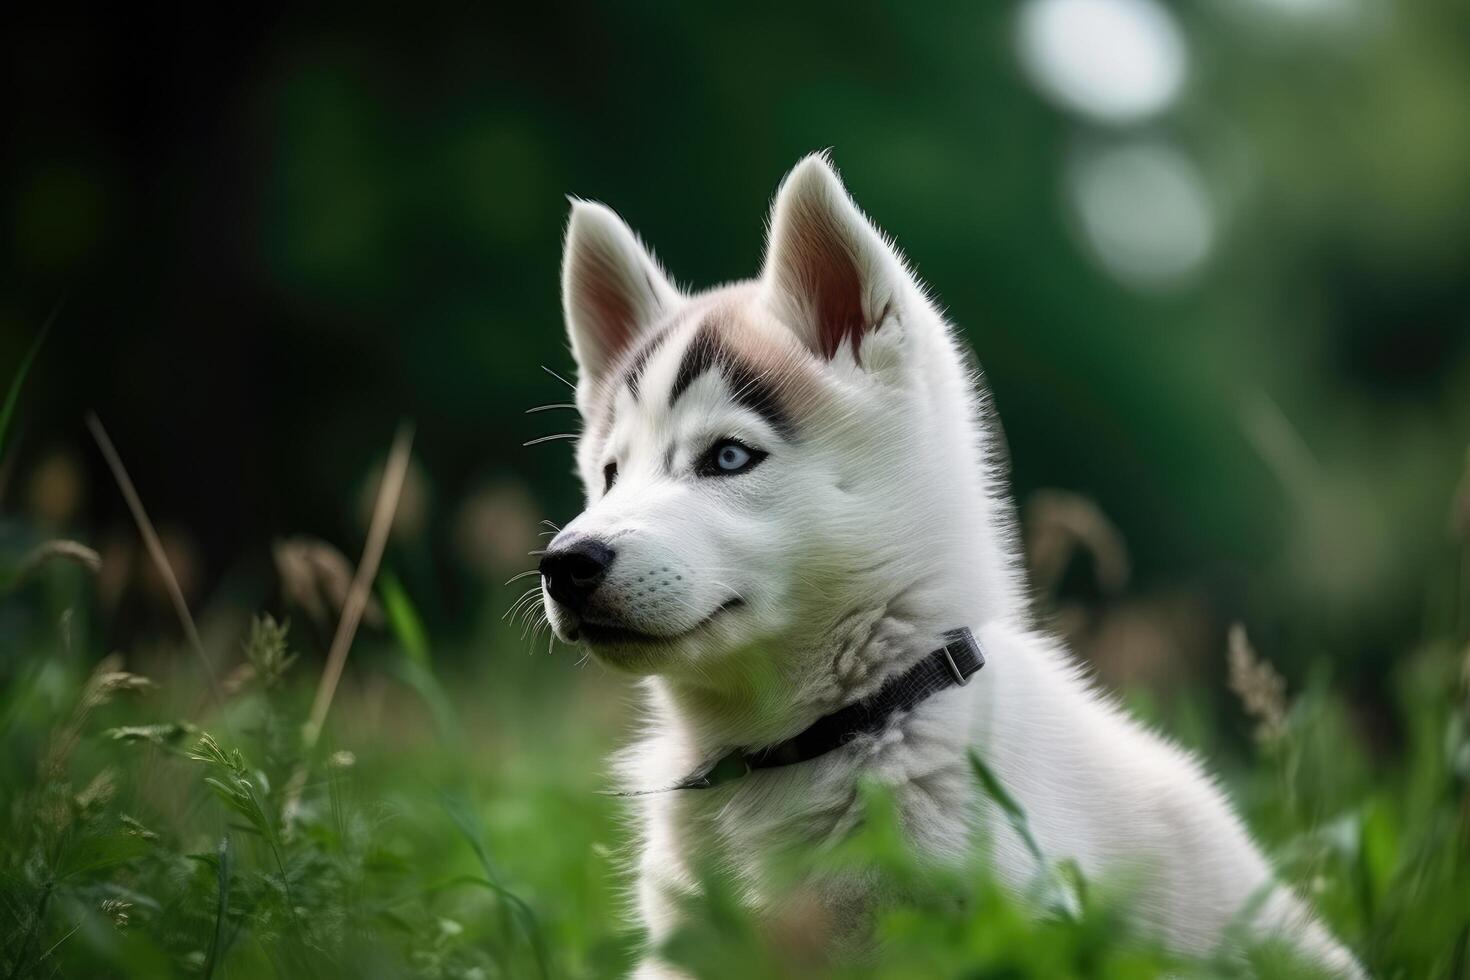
x=154, y=546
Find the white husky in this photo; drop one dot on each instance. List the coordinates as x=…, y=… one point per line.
x=792, y=494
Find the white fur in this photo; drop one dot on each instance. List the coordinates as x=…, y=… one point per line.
x=854, y=546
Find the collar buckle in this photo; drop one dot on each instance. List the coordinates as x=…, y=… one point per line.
x=959, y=678
x=961, y=643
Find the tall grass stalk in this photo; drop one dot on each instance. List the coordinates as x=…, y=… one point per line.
x=358, y=594
x=155, y=549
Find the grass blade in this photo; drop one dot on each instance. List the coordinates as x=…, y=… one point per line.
x=221, y=909
x=358, y=594
x=404, y=619
x=32, y=926
x=13, y=395
x=48, y=551
x=154, y=546
x=362, y=582
x=1003, y=799
x=1061, y=886
x=529, y=924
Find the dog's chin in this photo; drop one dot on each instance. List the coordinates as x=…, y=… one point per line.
x=629, y=648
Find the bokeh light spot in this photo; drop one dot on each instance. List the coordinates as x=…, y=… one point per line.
x=1143, y=212
x=1114, y=60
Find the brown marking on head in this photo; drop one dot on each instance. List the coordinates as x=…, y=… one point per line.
x=761, y=362
x=631, y=372
x=766, y=368
x=768, y=346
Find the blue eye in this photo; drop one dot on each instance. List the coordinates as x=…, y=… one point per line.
x=728, y=457
x=731, y=457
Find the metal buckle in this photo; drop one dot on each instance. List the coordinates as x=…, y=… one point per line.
x=960, y=679
x=965, y=640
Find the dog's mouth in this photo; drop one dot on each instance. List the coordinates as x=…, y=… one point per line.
x=598, y=634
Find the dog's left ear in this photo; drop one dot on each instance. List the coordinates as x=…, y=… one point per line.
x=612, y=290
x=829, y=273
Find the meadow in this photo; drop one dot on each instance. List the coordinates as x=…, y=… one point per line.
x=213, y=803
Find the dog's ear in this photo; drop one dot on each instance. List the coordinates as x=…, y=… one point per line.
x=612, y=289
x=828, y=272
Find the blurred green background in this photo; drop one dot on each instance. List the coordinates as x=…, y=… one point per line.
x=1212, y=255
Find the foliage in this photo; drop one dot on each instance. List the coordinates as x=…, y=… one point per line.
x=181, y=856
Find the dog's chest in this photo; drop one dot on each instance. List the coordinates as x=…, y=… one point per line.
x=746, y=825
x=756, y=829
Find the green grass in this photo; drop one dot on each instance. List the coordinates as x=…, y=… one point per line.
x=464, y=836
x=450, y=823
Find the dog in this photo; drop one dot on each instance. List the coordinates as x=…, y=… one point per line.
x=795, y=513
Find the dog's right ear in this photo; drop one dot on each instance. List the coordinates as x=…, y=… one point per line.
x=612, y=290
x=831, y=276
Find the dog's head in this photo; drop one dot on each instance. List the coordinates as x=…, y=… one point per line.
x=761, y=461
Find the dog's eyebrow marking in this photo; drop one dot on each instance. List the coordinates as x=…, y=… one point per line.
x=639, y=360
x=749, y=387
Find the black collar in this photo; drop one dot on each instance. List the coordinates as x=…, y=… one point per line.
x=949, y=666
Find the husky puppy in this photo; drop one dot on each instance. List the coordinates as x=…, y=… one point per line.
x=793, y=493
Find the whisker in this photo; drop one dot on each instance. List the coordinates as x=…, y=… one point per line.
x=523, y=597
x=526, y=574
x=551, y=524
x=551, y=438
x=524, y=620
x=533, y=618
x=730, y=588
x=549, y=407
x=558, y=377
x=509, y=613
x=537, y=623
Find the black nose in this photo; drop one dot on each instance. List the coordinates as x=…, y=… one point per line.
x=574, y=571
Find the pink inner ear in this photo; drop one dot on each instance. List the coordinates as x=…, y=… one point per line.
x=606, y=303
x=826, y=268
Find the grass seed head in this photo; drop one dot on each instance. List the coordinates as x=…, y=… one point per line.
x=135, y=828
x=267, y=652
x=315, y=578
x=98, y=794
x=1261, y=690
x=116, y=910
